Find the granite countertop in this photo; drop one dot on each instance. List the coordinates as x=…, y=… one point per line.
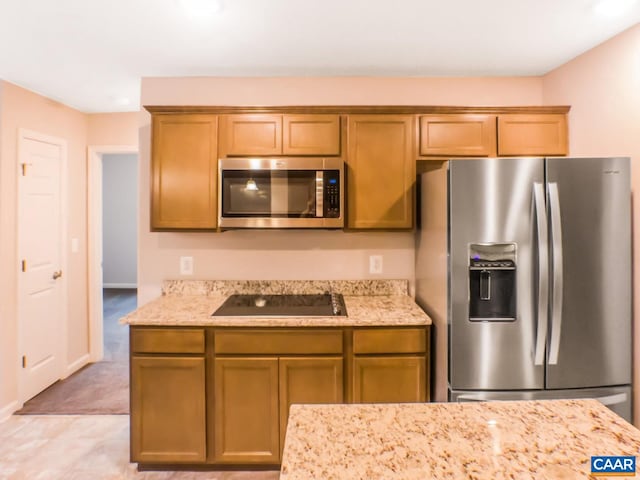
x=541, y=440
x=368, y=303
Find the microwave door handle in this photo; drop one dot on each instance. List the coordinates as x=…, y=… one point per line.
x=320, y=193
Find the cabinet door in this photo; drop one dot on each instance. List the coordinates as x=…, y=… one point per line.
x=168, y=418
x=521, y=134
x=246, y=410
x=458, y=135
x=381, y=171
x=253, y=134
x=311, y=135
x=389, y=379
x=184, y=172
x=308, y=380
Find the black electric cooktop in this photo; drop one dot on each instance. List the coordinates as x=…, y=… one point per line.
x=327, y=305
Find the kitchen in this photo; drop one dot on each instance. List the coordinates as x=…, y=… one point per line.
x=582, y=84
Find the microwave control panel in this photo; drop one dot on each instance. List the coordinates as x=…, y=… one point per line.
x=332, y=194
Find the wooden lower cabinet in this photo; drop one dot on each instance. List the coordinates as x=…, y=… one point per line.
x=252, y=400
x=246, y=410
x=168, y=418
x=308, y=380
x=389, y=379
x=221, y=396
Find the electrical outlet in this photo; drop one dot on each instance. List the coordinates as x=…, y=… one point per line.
x=375, y=264
x=186, y=265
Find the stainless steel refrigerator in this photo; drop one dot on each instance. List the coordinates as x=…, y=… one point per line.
x=539, y=266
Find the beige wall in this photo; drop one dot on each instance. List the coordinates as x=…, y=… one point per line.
x=110, y=129
x=21, y=108
x=296, y=254
x=603, y=88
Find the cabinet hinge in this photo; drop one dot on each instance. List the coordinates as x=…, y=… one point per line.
x=24, y=361
x=24, y=169
x=24, y=265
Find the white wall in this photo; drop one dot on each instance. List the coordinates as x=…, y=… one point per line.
x=119, y=220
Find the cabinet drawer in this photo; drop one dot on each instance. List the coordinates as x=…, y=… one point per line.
x=389, y=340
x=278, y=342
x=167, y=340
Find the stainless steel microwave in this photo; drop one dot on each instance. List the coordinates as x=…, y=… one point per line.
x=286, y=192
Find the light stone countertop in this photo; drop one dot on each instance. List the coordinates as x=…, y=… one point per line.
x=525, y=440
x=196, y=310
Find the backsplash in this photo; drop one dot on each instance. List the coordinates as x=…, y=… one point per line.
x=274, y=287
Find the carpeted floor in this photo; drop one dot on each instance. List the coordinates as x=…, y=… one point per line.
x=98, y=388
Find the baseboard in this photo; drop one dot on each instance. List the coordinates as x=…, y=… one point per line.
x=77, y=365
x=119, y=285
x=7, y=411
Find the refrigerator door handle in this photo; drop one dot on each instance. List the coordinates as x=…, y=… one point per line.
x=556, y=306
x=543, y=273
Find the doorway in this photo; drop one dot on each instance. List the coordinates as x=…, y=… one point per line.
x=119, y=250
x=121, y=159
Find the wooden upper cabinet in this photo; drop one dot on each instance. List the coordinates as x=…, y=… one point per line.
x=311, y=135
x=253, y=134
x=381, y=171
x=532, y=134
x=184, y=171
x=458, y=135
x=272, y=134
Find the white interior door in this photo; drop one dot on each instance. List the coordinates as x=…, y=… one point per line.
x=40, y=249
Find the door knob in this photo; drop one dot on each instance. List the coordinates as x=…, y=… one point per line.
x=57, y=275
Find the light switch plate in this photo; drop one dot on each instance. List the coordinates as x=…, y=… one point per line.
x=375, y=264
x=186, y=265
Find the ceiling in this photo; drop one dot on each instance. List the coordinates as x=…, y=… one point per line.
x=91, y=54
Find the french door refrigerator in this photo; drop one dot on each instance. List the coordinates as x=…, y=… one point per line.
x=540, y=279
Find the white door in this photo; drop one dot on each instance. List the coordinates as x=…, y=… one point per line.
x=40, y=249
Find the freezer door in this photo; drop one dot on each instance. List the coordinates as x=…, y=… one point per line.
x=617, y=399
x=491, y=201
x=590, y=321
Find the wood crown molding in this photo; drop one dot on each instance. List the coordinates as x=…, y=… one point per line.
x=357, y=109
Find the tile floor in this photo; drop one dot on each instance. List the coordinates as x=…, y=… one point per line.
x=82, y=447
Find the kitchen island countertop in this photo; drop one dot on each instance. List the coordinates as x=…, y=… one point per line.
x=549, y=439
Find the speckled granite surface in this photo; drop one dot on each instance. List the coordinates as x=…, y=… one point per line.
x=275, y=287
x=541, y=440
x=196, y=310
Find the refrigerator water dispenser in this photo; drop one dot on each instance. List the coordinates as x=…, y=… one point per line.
x=492, y=282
